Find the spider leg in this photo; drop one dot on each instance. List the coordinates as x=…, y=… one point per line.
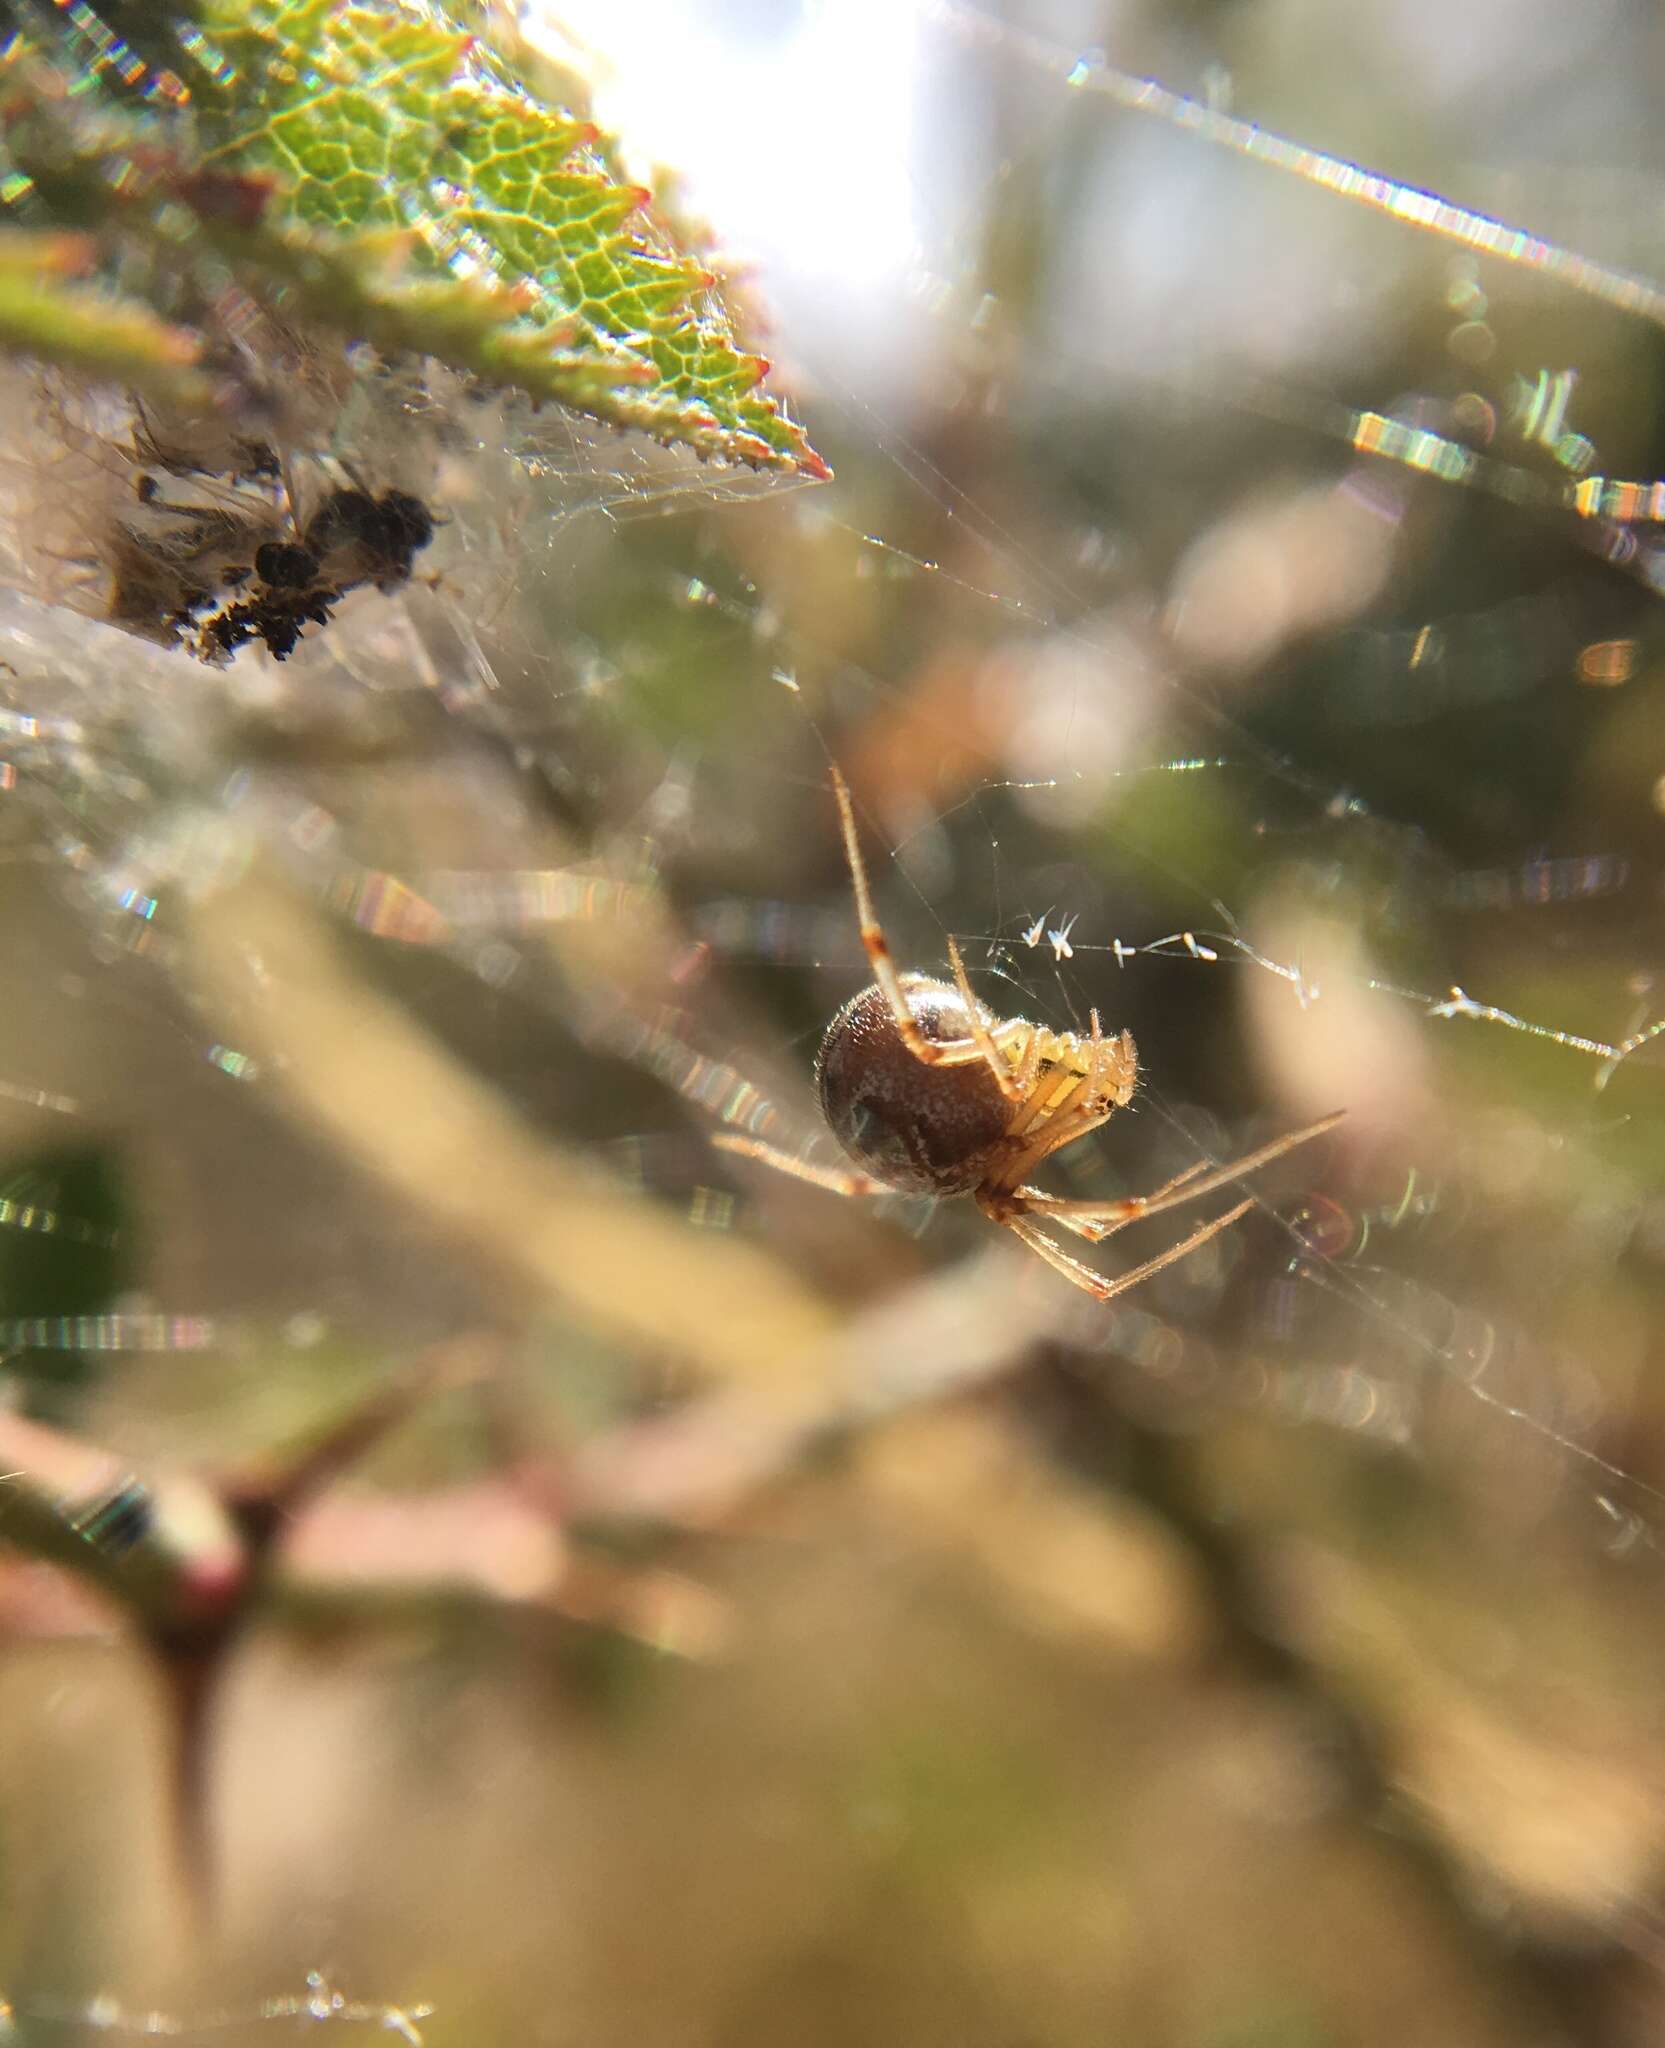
x=1037, y=1107
x=1101, y=1218
x=1050, y=1112
x=1105, y=1287
x=1060, y=1129
x=837, y=1180
x=979, y=1030
x=956, y=1052
x=1095, y=1233
x=1052, y=1123
x=1028, y=1069
x=1107, y=1081
x=1091, y=1102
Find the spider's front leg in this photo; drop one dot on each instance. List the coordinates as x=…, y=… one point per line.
x=1105, y=1287
x=1057, y=1112
x=1097, y=1220
x=1058, y=1209
x=931, y=1053
x=837, y=1180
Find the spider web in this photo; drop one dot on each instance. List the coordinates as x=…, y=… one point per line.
x=1227, y=707
x=1405, y=661
x=1235, y=618
x=321, y=2003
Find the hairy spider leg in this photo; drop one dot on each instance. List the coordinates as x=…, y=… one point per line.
x=1027, y=1072
x=1098, y=1220
x=980, y=1034
x=1108, y=1073
x=1037, y=1106
x=837, y=1180
x=1103, y=1288
x=1092, y=1101
x=1081, y=1110
x=953, y=1052
x=1095, y=1233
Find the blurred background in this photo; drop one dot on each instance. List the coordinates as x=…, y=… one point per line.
x=814, y=1621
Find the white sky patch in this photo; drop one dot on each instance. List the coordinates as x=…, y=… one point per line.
x=798, y=143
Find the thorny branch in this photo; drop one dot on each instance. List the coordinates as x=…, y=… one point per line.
x=194, y=1561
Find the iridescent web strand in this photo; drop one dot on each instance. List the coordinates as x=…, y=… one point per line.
x=1611, y=500
x=1408, y=203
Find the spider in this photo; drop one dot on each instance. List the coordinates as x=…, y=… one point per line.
x=930, y=1093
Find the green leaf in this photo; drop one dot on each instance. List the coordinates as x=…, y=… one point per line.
x=380, y=172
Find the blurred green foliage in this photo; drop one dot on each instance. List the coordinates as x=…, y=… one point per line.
x=65, y=1252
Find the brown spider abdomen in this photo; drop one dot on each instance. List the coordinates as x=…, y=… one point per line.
x=923, y=1130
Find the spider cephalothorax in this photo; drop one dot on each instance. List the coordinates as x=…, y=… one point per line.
x=930, y=1093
